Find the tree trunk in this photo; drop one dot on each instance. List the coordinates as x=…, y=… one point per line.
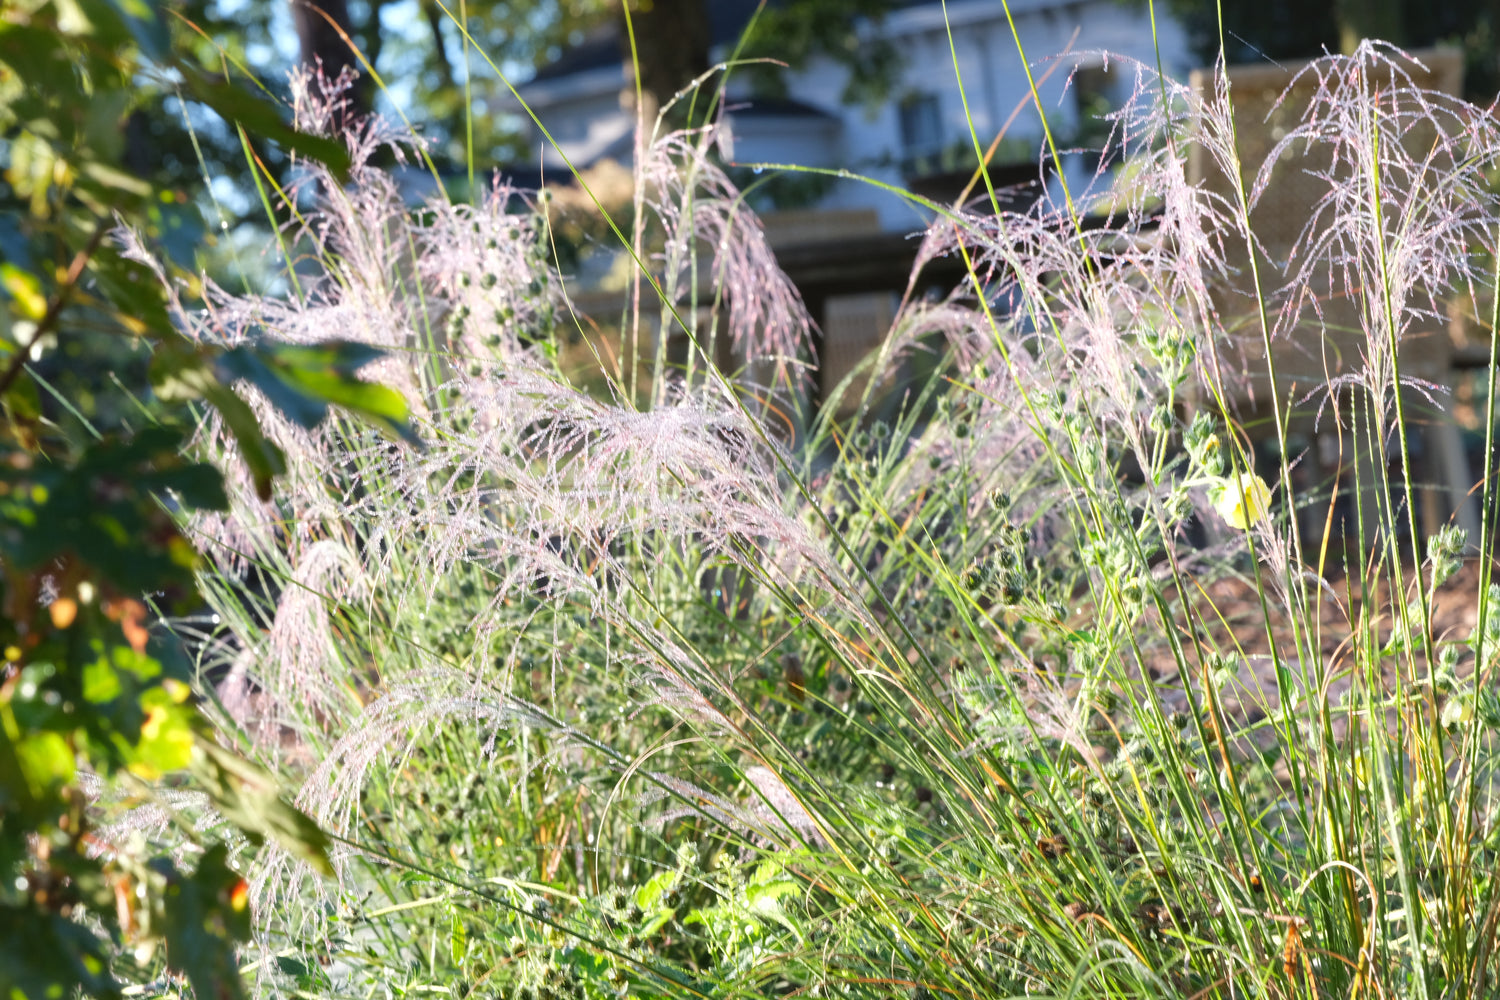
x=1361, y=19
x=435, y=18
x=672, y=40
x=326, y=37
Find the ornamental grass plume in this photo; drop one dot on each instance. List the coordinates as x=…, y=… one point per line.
x=1397, y=225
x=969, y=693
x=530, y=497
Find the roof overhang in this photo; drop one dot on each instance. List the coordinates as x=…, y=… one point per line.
x=601, y=82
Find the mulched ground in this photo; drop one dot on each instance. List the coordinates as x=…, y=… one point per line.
x=1233, y=619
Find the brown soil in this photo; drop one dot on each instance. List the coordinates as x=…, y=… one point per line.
x=1233, y=621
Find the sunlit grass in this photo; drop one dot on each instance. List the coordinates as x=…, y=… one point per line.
x=1020, y=681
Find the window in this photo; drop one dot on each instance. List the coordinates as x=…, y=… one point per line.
x=1095, y=95
x=921, y=125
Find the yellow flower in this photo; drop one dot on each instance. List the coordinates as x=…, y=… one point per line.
x=1242, y=503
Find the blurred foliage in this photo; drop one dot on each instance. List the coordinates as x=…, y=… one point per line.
x=416, y=47
x=430, y=72
x=91, y=473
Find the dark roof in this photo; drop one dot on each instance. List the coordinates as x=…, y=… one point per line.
x=775, y=107
x=599, y=49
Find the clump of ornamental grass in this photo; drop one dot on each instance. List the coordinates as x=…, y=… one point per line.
x=940, y=700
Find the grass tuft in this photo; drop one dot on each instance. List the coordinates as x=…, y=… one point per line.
x=1028, y=678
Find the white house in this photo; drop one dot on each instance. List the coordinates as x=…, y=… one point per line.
x=922, y=133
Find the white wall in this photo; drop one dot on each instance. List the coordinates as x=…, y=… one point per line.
x=803, y=140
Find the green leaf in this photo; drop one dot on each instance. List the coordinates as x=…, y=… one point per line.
x=179, y=230
x=179, y=372
x=198, y=485
x=44, y=955
x=247, y=796
x=167, y=735
x=304, y=380
x=289, y=966
x=103, y=140
x=255, y=365
x=260, y=117
x=144, y=21
x=378, y=405
x=96, y=511
x=23, y=402
x=336, y=357
x=264, y=459
x=25, y=291
x=46, y=763
x=458, y=941
x=649, y=895
x=36, y=54
x=116, y=179
x=134, y=292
